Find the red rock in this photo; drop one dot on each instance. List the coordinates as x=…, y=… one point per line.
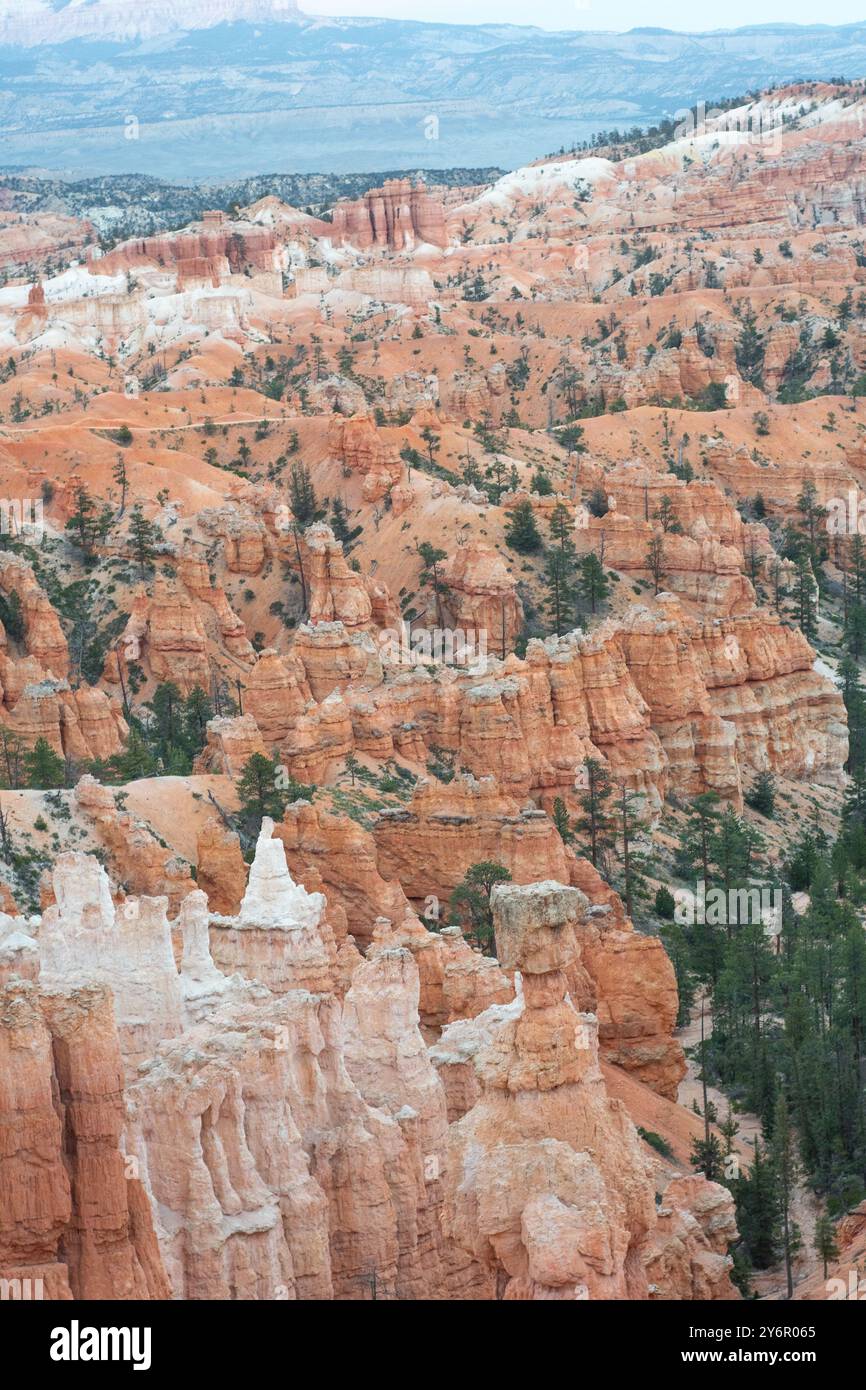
x=220, y=869
x=395, y=216
x=71, y=1208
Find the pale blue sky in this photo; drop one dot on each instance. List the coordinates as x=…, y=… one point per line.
x=600, y=14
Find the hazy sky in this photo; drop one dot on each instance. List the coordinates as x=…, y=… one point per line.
x=600, y=14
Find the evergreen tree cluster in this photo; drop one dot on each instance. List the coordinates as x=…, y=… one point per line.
x=788, y=1006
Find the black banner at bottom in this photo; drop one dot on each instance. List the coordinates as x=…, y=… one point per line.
x=227, y=1339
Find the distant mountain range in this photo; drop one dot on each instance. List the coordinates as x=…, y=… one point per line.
x=224, y=89
x=32, y=22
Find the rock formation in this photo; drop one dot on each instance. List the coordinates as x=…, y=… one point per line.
x=395, y=216
x=547, y=1189
x=74, y=1218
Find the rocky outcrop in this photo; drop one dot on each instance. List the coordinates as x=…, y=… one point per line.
x=43, y=635
x=286, y=1129
x=332, y=658
x=698, y=567
x=221, y=873
x=387, y=1059
x=214, y=252
x=84, y=937
x=547, y=1190
x=331, y=853
x=654, y=695
x=276, y=937
x=230, y=632
x=688, y=1254
x=736, y=693
x=358, y=445
x=291, y=1147
x=79, y=725
x=140, y=861
x=231, y=741
x=242, y=533
x=166, y=634
x=482, y=598
x=395, y=217
x=74, y=1218
x=445, y=828
x=336, y=592
x=628, y=982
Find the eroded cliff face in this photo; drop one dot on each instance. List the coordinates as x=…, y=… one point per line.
x=547, y=1188
x=396, y=216
x=288, y=1131
x=735, y=694
x=666, y=702
x=73, y=1212
x=625, y=977
x=36, y=699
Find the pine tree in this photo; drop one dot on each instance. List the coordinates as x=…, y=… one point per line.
x=433, y=442
x=758, y=1210
x=471, y=899
x=707, y=1157
x=303, y=503
x=785, y=1170
x=145, y=538
x=811, y=511
x=430, y=576
x=176, y=763
x=857, y=561
x=597, y=503
x=121, y=477
x=521, y=532
x=45, y=768
x=854, y=809
x=6, y=845
x=593, y=582
x=631, y=860
x=88, y=524
x=854, y=698
x=655, y=561
x=854, y=632
x=12, y=751
x=561, y=589
x=339, y=522
x=259, y=792
x=571, y=438
x=729, y=1129
x=762, y=795
x=826, y=1246
x=730, y=849
x=167, y=708
x=541, y=483
x=562, y=821
x=676, y=944
x=666, y=516
x=665, y=903
x=352, y=766
x=197, y=711
x=136, y=760
x=776, y=574
x=562, y=527
x=696, y=844
x=12, y=616
x=597, y=823
x=560, y=570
